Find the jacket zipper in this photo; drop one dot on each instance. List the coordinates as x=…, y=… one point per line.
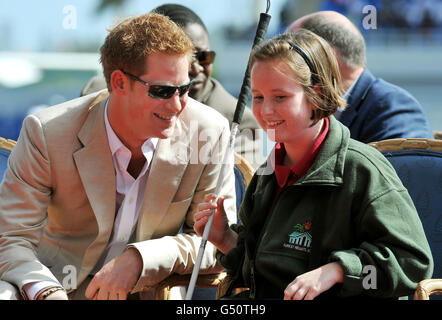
x=252, y=261
x=252, y=279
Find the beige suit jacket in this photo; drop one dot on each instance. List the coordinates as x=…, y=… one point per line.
x=57, y=200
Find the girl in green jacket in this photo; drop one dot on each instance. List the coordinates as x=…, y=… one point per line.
x=330, y=218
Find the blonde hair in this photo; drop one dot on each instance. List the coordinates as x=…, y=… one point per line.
x=129, y=43
x=325, y=95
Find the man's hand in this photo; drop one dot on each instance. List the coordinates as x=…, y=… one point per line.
x=117, y=278
x=309, y=285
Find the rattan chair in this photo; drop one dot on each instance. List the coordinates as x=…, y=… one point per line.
x=418, y=163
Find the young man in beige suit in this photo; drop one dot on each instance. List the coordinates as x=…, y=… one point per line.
x=98, y=188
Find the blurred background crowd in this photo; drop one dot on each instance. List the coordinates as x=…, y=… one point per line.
x=49, y=49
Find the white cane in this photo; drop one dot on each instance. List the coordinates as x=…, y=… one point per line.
x=242, y=101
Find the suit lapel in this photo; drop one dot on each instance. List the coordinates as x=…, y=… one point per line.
x=96, y=170
x=167, y=168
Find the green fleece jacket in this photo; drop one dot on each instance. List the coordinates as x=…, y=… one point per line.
x=350, y=207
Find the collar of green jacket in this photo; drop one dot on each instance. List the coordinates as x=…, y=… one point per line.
x=328, y=167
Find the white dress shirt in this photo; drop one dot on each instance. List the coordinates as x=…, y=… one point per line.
x=129, y=198
x=129, y=193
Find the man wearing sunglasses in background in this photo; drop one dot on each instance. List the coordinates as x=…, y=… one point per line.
x=98, y=188
x=208, y=90
x=205, y=88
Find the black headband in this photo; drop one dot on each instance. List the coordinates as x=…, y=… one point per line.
x=298, y=49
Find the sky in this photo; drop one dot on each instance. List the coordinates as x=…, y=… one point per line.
x=45, y=25
x=27, y=25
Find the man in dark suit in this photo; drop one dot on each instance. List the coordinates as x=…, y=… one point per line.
x=376, y=109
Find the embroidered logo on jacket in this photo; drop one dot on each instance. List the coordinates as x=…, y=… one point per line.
x=300, y=239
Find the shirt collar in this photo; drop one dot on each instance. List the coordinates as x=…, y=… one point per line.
x=115, y=143
x=349, y=90
x=286, y=175
x=339, y=111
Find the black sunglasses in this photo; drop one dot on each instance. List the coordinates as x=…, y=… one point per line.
x=160, y=91
x=205, y=57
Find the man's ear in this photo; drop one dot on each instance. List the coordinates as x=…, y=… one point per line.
x=119, y=82
x=341, y=64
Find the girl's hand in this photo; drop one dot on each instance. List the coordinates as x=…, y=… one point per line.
x=220, y=233
x=309, y=285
